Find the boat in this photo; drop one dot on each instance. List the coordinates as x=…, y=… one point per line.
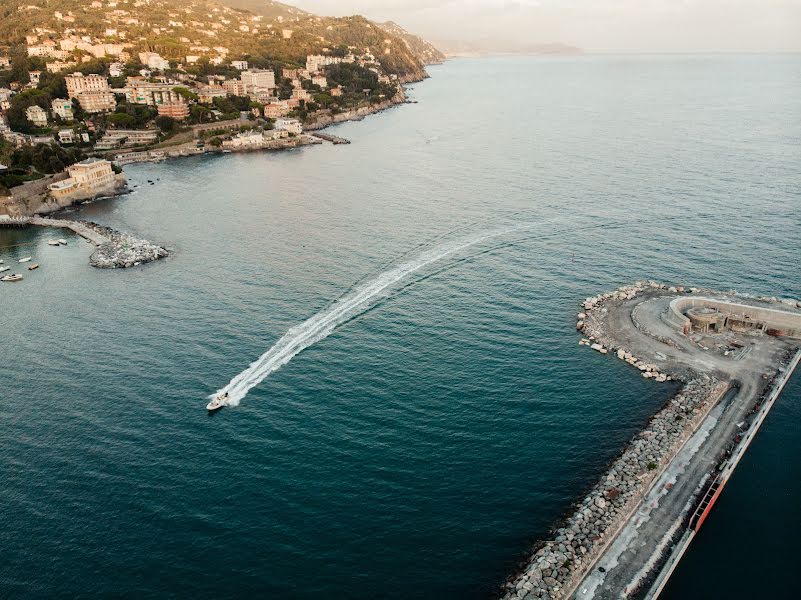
x=62, y=241
x=13, y=277
x=217, y=402
x=53, y=243
x=4, y=269
x=33, y=267
x=26, y=259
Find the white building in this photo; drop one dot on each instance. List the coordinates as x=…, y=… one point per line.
x=78, y=82
x=258, y=80
x=290, y=125
x=37, y=115
x=242, y=65
x=66, y=136
x=62, y=108
x=116, y=69
x=153, y=60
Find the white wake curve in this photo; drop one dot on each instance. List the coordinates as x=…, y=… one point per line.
x=321, y=325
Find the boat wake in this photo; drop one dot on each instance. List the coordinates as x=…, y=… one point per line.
x=355, y=302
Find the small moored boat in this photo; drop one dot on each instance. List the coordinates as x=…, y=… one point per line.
x=33, y=267
x=13, y=277
x=62, y=241
x=4, y=269
x=217, y=402
x=26, y=259
x=53, y=243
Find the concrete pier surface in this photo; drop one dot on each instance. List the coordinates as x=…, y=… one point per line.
x=734, y=353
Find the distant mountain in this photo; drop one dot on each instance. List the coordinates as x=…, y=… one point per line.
x=423, y=50
x=356, y=30
x=454, y=49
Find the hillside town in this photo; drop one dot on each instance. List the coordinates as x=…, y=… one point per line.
x=108, y=91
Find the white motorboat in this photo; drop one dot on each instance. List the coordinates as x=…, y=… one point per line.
x=218, y=402
x=62, y=241
x=26, y=259
x=13, y=277
x=53, y=243
x=4, y=269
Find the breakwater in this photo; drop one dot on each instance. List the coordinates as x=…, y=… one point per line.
x=115, y=249
x=661, y=466
x=555, y=567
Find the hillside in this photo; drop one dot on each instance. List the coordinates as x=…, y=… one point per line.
x=262, y=31
x=422, y=49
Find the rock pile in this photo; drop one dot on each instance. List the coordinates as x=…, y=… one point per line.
x=595, y=305
x=554, y=568
x=122, y=250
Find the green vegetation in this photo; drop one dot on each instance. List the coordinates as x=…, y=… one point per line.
x=651, y=466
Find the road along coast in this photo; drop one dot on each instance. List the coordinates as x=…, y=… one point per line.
x=732, y=353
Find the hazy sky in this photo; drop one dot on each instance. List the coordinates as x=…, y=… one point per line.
x=595, y=25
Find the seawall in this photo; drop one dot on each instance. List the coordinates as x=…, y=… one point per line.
x=719, y=483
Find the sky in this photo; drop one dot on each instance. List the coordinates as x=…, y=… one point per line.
x=593, y=25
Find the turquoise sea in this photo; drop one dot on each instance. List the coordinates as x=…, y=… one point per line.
x=441, y=417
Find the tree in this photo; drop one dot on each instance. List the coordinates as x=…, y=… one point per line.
x=17, y=117
x=121, y=120
x=165, y=123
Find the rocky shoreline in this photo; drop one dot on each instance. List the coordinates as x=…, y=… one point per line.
x=122, y=250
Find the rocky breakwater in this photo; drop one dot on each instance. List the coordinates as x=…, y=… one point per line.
x=121, y=250
x=590, y=322
x=555, y=567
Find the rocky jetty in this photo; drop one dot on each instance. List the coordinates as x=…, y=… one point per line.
x=556, y=566
x=121, y=250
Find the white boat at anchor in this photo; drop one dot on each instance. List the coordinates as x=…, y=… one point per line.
x=53, y=243
x=218, y=402
x=62, y=241
x=26, y=259
x=13, y=277
x=2, y=269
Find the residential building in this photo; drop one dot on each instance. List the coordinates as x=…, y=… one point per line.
x=300, y=94
x=62, y=108
x=153, y=60
x=242, y=65
x=320, y=80
x=78, y=82
x=290, y=125
x=86, y=178
x=116, y=69
x=141, y=91
x=235, y=87
x=66, y=136
x=207, y=93
x=124, y=138
x=96, y=102
x=275, y=110
x=177, y=110
x=34, y=77
x=258, y=80
x=36, y=115
x=5, y=62
x=58, y=66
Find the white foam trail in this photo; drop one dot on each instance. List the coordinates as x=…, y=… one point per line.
x=320, y=326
